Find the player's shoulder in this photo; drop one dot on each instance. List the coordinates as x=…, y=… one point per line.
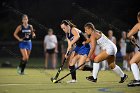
x=74, y=29
x=19, y=27
x=30, y=25
x=93, y=35
x=138, y=25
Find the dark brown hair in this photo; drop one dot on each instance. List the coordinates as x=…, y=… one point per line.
x=90, y=25
x=67, y=22
x=24, y=16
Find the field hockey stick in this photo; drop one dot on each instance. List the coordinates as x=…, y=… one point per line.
x=60, y=68
x=57, y=81
x=134, y=43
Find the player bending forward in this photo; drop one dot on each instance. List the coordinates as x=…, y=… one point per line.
x=108, y=53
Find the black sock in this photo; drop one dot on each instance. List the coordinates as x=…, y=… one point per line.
x=22, y=65
x=73, y=74
x=87, y=68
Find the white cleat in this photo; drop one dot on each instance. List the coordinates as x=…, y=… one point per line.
x=72, y=81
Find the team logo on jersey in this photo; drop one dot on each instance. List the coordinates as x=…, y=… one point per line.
x=26, y=31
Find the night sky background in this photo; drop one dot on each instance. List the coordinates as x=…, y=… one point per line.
x=118, y=15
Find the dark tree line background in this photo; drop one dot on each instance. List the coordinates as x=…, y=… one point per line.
x=118, y=15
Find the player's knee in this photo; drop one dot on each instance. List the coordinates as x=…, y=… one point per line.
x=131, y=62
x=96, y=60
x=81, y=68
x=112, y=66
x=25, y=58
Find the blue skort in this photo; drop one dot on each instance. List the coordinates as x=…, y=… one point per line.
x=25, y=45
x=82, y=50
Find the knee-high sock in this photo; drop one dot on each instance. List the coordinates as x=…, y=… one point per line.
x=96, y=67
x=125, y=64
x=73, y=74
x=118, y=70
x=135, y=71
x=22, y=65
x=104, y=64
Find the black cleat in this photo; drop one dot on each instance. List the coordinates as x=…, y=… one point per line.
x=123, y=78
x=134, y=83
x=90, y=78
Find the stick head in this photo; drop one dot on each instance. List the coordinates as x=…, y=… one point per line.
x=55, y=81
x=52, y=79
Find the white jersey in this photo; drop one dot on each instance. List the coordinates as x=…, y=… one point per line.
x=123, y=47
x=50, y=41
x=138, y=41
x=107, y=45
x=97, y=50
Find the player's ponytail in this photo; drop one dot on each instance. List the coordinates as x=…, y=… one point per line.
x=67, y=22
x=90, y=25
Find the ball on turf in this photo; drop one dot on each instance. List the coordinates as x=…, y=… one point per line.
x=54, y=81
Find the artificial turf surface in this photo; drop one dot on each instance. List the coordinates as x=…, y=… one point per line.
x=37, y=80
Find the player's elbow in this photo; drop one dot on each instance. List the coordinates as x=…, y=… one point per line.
x=14, y=34
x=128, y=35
x=78, y=37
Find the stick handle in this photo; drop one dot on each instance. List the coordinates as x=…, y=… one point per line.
x=60, y=68
x=134, y=43
x=69, y=73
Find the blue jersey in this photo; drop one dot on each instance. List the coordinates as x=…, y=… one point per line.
x=80, y=48
x=79, y=42
x=26, y=35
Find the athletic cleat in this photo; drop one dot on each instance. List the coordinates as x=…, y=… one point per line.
x=22, y=73
x=134, y=83
x=91, y=78
x=72, y=81
x=18, y=70
x=123, y=78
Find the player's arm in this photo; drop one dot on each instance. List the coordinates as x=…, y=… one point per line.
x=32, y=31
x=18, y=29
x=45, y=44
x=120, y=43
x=93, y=45
x=56, y=44
x=87, y=41
x=76, y=36
x=68, y=48
x=133, y=31
x=114, y=41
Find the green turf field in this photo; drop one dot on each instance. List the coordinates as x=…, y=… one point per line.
x=38, y=81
